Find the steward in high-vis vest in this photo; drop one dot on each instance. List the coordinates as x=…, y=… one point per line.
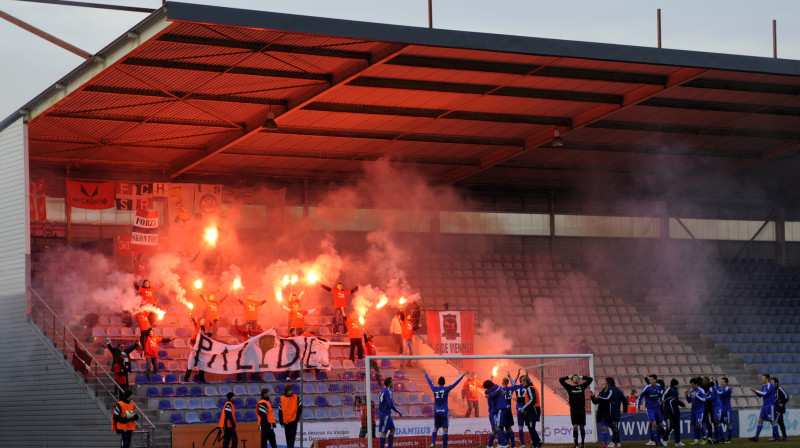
x=266, y=420
x=531, y=411
x=227, y=421
x=290, y=412
x=123, y=420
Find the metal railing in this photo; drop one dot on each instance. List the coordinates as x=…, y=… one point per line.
x=94, y=374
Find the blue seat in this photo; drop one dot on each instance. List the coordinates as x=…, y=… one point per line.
x=165, y=405
x=334, y=413
x=319, y=414
x=309, y=376
x=413, y=399
x=427, y=411
x=153, y=392
x=308, y=388
x=250, y=416
x=400, y=399
x=192, y=417
x=335, y=400
x=176, y=418
x=280, y=376
x=211, y=391
x=334, y=388
x=347, y=388
x=321, y=388
x=386, y=364
x=156, y=379
x=182, y=391
x=426, y=399
x=221, y=402
x=321, y=401
x=348, y=413
x=280, y=388
x=239, y=389
x=167, y=391
x=224, y=389
x=399, y=375
x=206, y=417
x=162, y=354
x=348, y=400
x=308, y=401
x=253, y=389
x=251, y=403
x=269, y=377
x=194, y=403
x=208, y=403
x=322, y=376
x=360, y=363
x=415, y=411
x=196, y=391
x=170, y=378
x=238, y=403
x=180, y=404
x=308, y=414
x=141, y=379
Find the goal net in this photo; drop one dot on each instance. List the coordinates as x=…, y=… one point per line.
x=468, y=421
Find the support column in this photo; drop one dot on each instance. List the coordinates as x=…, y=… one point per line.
x=552, y=210
x=780, y=237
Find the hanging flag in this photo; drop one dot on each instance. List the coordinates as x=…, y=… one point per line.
x=38, y=202
x=207, y=200
x=90, y=195
x=180, y=205
x=144, y=237
x=452, y=333
x=132, y=196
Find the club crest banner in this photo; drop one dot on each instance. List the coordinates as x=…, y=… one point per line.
x=452, y=333
x=263, y=353
x=90, y=195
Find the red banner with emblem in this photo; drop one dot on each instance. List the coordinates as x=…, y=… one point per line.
x=90, y=195
x=452, y=333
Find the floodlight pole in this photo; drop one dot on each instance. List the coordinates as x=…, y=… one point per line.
x=430, y=13
x=658, y=25
x=774, y=38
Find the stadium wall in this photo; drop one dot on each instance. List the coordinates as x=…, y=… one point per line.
x=45, y=402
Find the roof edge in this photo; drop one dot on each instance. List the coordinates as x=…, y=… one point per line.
x=188, y=12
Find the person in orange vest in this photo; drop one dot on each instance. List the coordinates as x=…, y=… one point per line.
x=530, y=412
x=369, y=347
x=469, y=393
x=266, y=420
x=251, y=310
x=149, y=344
x=246, y=332
x=297, y=322
x=290, y=411
x=354, y=333
x=340, y=303
x=406, y=335
x=121, y=364
x=123, y=420
x=227, y=421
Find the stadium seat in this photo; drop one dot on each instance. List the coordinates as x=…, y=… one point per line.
x=180, y=404
x=156, y=379
x=348, y=413
x=335, y=400
x=334, y=413
x=319, y=414
x=194, y=403
x=322, y=376
x=238, y=403
x=170, y=378
x=153, y=392
x=321, y=401
x=348, y=388
x=250, y=416
x=206, y=417
x=412, y=386
x=321, y=388
x=176, y=418
x=196, y=391
x=224, y=389
x=165, y=405
x=208, y=403
x=280, y=388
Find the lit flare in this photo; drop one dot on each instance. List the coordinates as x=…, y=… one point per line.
x=361, y=320
x=402, y=300
x=294, y=279
x=286, y=280
x=494, y=370
x=237, y=283
x=312, y=277
x=384, y=300
x=211, y=234
x=279, y=294
x=198, y=284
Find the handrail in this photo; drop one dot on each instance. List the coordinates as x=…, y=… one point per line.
x=100, y=377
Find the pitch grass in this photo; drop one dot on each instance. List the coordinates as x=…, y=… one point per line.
x=737, y=443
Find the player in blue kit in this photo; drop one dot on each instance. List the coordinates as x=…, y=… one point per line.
x=724, y=392
x=507, y=418
x=441, y=411
x=502, y=412
x=769, y=394
x=698, y=399
x=385, y=408
x=531, y=411
x=651, y=395
x=488, y=387
x=716, y=409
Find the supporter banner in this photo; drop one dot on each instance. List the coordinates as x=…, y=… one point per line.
x=254, y=196
x=207, y=200
x=48, y=229
x=263, y=353
x=90, y=195
x=124, y=245
x=144, y=237
x=181, y=202
x=130, y=196
x=452, y=333
x=38, y=202
x=160, y=189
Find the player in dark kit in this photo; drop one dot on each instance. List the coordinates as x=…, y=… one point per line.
x=577, y=404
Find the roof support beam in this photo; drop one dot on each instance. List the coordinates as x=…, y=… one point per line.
x=662, y=150
x=631, y=98
x=271, y=47
x=226, y=98
x=255, y=123
x=680, y=103
x=142, y=119
x=191, y=66
x=400, y=136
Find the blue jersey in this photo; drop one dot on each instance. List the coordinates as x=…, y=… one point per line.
x=697, y=398
x=768, y=393
x=386, y=405
x=724, y=394
x=651, y=395
x=508, y=392
x=497, y=399
x=713, y=397
x=440, y=394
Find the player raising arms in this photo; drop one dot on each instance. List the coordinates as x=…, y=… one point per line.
x=651, y=395
x=441, y=417
x=577, y=404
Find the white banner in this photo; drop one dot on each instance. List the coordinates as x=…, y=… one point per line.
x=263, y=353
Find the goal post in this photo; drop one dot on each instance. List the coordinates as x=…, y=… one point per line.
x=544, y=372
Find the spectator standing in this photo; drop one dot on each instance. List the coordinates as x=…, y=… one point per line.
x=227, y=421
x=412, y=311
x=290, y=411
x=340, y=303
x=149, y=344
x=407, y=335
x=251, y=310
x=632, y=400
x=123, y=420
x=266, y=420
x=246, y=332
x=369, y=347
x=297, y=321
x=469, y=393
x=354, y=332
x=360, y=409
x=199, y=327
x=121, y=364
x=212, y=306
x=396, y=329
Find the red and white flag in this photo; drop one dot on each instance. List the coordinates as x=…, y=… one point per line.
x=90, y=195
x=144, y=237
x=38, y=203
x=452, y=333
x=130, y=196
